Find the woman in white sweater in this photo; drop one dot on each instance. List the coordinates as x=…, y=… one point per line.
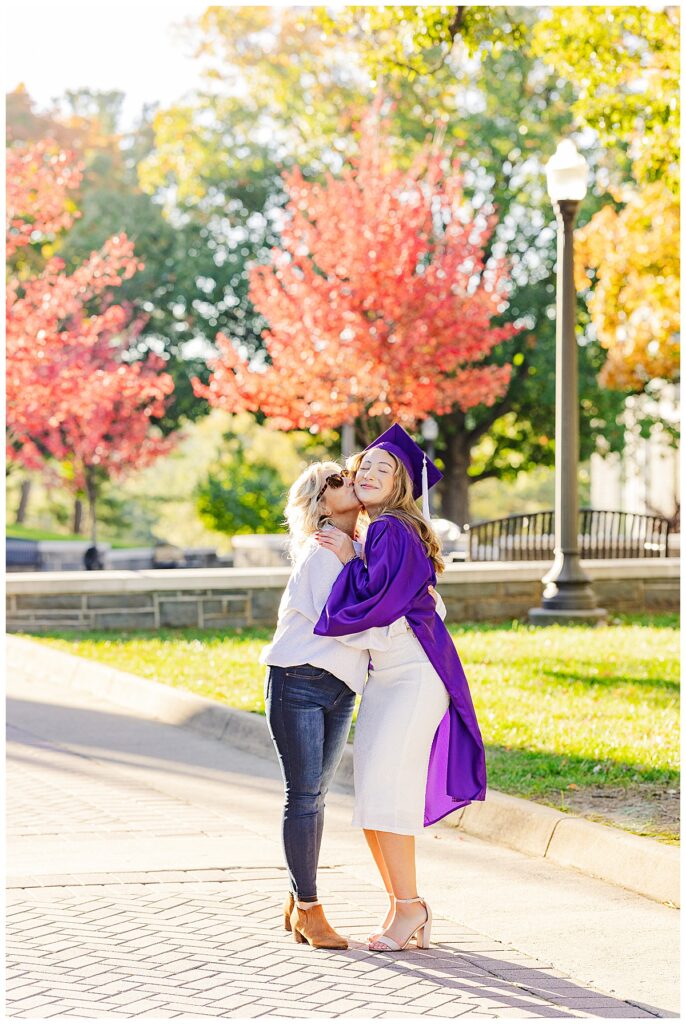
x=311, y=685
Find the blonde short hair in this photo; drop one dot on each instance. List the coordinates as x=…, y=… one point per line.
x=303, y=511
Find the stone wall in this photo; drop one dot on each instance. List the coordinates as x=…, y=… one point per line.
x=506, y=591
x=217, y=598
x=147, y=599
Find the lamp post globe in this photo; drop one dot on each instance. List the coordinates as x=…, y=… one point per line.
x=429, y=430
x=566, y=173
x=567, y=595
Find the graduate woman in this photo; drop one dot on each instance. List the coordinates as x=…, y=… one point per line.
x=418, y=752
x=310, y=687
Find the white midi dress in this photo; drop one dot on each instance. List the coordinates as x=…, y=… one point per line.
x=403, y=703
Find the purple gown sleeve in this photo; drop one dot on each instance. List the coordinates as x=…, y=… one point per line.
x=397, y=574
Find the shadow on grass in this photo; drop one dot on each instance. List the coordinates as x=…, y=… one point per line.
x=594, y=679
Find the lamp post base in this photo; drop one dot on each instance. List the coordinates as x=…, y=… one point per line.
x=566, y=587
x=567, y=617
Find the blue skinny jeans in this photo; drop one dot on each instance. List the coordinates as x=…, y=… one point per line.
x=309, y=712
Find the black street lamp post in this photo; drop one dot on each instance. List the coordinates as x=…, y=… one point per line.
x=568, y=595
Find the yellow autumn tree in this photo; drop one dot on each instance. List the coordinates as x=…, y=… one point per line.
x=634, y=255
x=625, y=62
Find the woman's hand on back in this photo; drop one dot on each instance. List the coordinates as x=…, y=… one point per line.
x=338, y=542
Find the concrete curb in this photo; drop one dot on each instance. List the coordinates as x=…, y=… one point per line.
x=643, y=865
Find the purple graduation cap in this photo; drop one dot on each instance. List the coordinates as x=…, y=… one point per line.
x=423, y=473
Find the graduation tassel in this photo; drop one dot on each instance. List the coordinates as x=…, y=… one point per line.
x=426, y=512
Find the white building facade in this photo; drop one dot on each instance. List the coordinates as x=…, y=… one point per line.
x=645, y=477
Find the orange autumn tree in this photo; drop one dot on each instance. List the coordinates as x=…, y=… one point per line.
x=379, y=302
x=40, y=179
x=75, y=401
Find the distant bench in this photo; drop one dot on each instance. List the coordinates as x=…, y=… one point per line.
x=22, y=555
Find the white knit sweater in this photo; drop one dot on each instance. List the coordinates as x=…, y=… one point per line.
x=303, y=600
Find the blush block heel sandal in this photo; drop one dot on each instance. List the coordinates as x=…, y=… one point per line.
x=422, y=932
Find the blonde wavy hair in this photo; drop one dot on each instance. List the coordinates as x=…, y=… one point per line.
x=401, y=505
x=303, y=511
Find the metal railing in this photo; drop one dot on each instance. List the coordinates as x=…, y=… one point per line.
x=602, y=534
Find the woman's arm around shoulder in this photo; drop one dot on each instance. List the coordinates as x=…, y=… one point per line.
x=377, y=594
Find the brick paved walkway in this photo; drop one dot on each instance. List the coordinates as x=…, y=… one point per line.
x=209, y=943
x=111, y=942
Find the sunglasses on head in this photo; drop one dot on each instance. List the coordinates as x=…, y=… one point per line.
x=335, y=480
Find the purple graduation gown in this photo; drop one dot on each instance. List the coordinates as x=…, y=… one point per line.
x=394, y=583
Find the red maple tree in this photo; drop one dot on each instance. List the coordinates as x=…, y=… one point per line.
x=74, y=399
x=379, y=302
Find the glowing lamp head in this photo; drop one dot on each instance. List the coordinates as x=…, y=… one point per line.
x=567, y=173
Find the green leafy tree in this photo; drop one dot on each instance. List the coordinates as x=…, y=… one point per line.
x=239, y=496
x=624, y=63
x=523, y=111
x=274, y=96
x=408, y=42
x=303, y=85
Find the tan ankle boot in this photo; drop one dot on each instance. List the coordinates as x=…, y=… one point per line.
x=311, y=926
x=289, y=903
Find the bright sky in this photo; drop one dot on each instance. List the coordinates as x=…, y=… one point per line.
x=136, y=48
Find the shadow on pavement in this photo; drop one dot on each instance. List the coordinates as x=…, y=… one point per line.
x=488, y=977
x=128, y=740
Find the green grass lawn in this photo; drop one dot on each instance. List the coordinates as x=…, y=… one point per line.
x=560, y=708
x=36, y=533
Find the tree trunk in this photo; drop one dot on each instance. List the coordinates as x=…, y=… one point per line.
x=455, y=495
x=77, y=523
x=23, y=502
x=92, y=492
x=347, y=440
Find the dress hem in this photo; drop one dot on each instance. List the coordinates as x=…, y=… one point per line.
x=406, y=830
